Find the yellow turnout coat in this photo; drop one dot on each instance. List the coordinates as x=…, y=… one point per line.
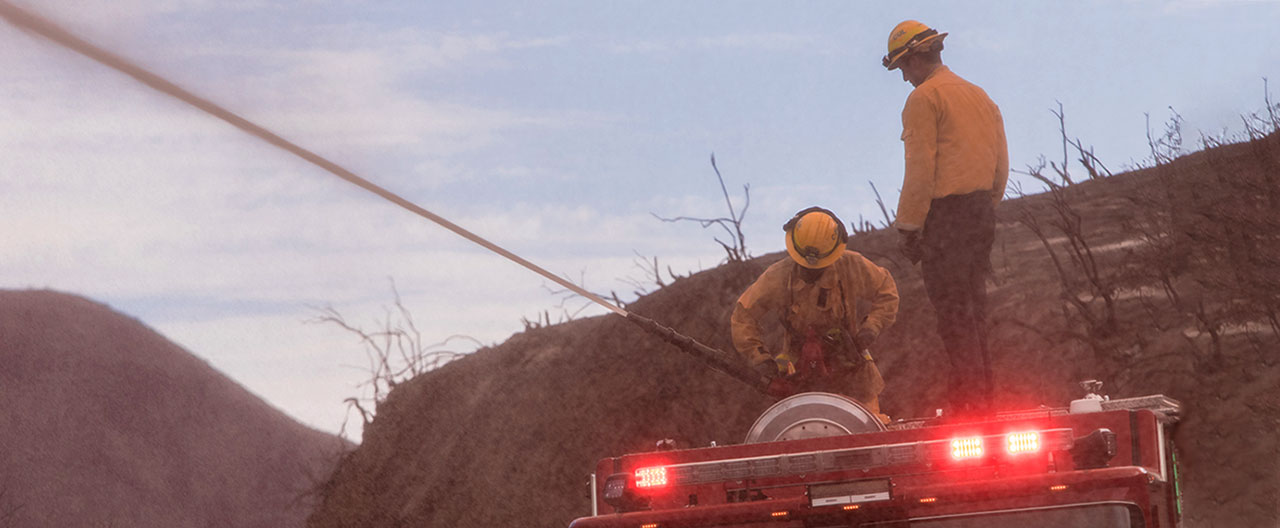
x=826, y=305
x=954, y=141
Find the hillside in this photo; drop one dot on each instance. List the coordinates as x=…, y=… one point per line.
x=106, y=423
x=1163, y=280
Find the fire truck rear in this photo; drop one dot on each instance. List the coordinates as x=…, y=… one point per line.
x=818, y=460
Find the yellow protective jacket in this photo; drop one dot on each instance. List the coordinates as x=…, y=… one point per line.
x=830, y=302
x=954, y=140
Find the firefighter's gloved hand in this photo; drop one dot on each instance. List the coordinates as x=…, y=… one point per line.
x=776, y=368
x=785, y=367
x=864, y=339
x=910, y=244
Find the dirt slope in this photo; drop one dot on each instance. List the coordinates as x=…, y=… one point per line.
x=106, y=423
x=508, y=436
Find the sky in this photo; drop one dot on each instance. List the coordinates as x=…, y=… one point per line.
x=555, y=129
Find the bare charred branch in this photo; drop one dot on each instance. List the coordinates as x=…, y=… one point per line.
x=736, y=249
x=394, y=353
x=888, y=219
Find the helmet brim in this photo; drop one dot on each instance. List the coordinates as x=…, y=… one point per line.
x=819, y=263
x=891, y=60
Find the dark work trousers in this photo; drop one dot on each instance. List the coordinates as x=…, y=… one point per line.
x=957, y=239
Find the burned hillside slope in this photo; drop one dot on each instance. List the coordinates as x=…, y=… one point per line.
x=1127, y=279
x=106, y=423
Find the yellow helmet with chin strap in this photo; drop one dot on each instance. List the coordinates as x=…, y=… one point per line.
x=816, y=238
x=908, y=37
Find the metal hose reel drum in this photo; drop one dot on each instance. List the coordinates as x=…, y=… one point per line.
x=813, y=415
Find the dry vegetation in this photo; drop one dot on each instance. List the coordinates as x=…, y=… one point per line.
x=736, y=248
x=395, y=352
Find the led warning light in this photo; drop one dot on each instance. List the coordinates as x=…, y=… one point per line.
x=1019, y=443
x=928, y=500
x=779, y=515
x=1058, y=487
x=651, y=477
x=851, y=507
x=962, y=448
x=649, y=525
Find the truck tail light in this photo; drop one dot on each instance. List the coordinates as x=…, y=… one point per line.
x=966, y=448
x=1019, y=443
x=651, y=477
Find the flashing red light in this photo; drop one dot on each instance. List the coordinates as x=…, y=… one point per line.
x=779, y=515
x=651, y=477
x=649, y=525
x=928, y=500
x=851, y=507
x=1019, y=443
x=962, y=448
x=1058, y=487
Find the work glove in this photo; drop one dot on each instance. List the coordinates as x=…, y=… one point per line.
x=864, y=339
x=910, y=244
x=786, y=368
x=776, y=371
x=775, y=368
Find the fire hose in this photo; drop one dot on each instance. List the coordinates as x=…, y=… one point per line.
x=26, y=20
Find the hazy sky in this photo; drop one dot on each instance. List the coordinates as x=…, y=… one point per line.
x=552, y=129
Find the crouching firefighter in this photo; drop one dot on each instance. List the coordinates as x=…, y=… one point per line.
x=815, y=293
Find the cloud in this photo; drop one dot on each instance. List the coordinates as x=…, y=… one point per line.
x=767, y=42
x=1183, y=6
x=82, y=15
x=406, y=50
x=113, y=169
x=340, y=88
x=754, y=42
x=643, y=46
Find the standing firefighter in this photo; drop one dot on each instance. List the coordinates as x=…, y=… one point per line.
x=957, y=165
x=815, y=293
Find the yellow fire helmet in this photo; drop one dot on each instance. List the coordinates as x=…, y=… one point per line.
x=815, y=238
x=908, y=37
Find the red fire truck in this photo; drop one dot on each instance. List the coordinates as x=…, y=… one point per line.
x=822, y=460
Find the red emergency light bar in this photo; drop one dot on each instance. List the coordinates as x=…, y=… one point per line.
x=1015, y=444
x=1018, y=443
x=965, y=448
x=960, y=449
x=651, y=477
